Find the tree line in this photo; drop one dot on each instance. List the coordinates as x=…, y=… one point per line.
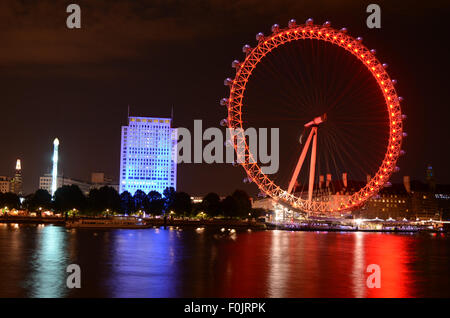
x=70, y=199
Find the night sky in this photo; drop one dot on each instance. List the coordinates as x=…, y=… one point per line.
x=152, y=55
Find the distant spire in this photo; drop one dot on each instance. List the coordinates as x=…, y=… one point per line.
x=171, y=113
x=128, y=112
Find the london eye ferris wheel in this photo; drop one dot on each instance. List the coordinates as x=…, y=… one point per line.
x=337, y=110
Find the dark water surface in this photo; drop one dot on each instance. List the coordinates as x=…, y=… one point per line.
x=190, y=263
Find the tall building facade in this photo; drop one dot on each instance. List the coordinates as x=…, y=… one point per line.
x=148, y=157
x=16, y=182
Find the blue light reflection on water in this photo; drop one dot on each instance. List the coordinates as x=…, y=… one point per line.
x=145, y=264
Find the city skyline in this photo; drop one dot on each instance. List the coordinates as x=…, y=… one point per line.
x=48, y=177
x=86, y=109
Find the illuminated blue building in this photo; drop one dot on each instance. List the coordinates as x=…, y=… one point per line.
x=148, y=159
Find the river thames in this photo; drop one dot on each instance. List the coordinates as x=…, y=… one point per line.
x=207, y=263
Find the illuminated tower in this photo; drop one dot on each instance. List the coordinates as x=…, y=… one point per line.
x=16, y=182
x=431, y=181
x=148, y=159
x=55, y=166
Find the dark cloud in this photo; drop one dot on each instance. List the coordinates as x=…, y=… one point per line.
x=35, y=31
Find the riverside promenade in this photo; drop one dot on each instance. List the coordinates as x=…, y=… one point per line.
x=32, y=220
x=157, y=222
x=310, y=225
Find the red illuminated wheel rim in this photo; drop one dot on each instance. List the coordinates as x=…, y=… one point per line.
x=353, y=46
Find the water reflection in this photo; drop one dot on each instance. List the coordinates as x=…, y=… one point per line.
x=359, y=267
x=11, y=271
x=208, y=263
x=279, y=265
x=390, y=252
x=144, y=263
x=47, y=274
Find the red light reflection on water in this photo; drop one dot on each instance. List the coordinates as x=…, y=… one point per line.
x=313, y=264
x=390, y=253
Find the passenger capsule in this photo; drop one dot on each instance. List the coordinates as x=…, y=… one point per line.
x=224, y=122
x=402, y=152
x=400, y=99
x=373, y=51
x=228, y=82
x=275, y=28
x=385, y=65
x=327, y=24
x=246, y=49
x=405, y=134
x=359, y=39
x=394, y=81
x=397, y=169
x=292, y=23
x=388, y=184
x=235, y=64
x=343, y=30
x=310, y=21
x=259, y=36
x=404, y=117
x=224, y=102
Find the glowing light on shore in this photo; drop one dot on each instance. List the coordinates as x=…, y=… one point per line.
x=55, y=166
